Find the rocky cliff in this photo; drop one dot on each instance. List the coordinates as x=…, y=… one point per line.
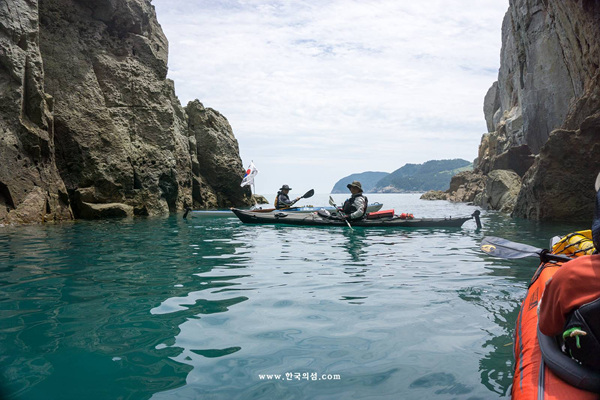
x=543, y=113
x=31, y=187
x=91, y=126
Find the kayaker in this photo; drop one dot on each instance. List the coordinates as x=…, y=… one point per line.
x=356, y=206
x=283, y=199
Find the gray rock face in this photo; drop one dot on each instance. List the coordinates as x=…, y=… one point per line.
x=548, y=84
x=217, y=152
x=535, y=84
x=560, y=185
x=31, y=189
x=491, y=104
x=117, y=128
x=90, y=118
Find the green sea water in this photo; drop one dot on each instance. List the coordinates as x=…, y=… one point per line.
x=209, y=308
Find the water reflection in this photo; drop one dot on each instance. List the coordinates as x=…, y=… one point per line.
x=355, y=242
x=166, y=308
x=80, y=300
x=446, y=382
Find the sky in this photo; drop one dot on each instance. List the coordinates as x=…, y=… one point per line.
x=318, y=90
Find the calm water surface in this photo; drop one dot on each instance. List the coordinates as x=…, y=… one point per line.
x=209, y=308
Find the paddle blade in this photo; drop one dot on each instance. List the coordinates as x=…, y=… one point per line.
x=331, y=202
x=503, y=248
x=309, y=194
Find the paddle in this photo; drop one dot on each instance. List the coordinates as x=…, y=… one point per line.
x=332, y=203
x=503, y=248
x=306, y=195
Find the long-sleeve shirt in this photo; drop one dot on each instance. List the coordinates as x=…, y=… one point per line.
x=357, y=206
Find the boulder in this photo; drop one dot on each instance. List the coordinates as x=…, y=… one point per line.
x=259, y=199
x=105, y=210
x=434, y=195
x=501, y=191
x=465, y=186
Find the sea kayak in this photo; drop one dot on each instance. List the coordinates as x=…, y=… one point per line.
x=316, y=219
x=373, y=207
x=542, y=370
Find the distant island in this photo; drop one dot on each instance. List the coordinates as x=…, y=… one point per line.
x=431, y=175
x=368, y=180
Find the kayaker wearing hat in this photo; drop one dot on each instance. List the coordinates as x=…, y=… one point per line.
x=356, y=206
x=283, y=200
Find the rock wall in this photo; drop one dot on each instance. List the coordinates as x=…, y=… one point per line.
x=216, y=150
x=91, y=121
x=31, y=189
x=542, y=112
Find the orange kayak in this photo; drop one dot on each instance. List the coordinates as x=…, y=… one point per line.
x=533, y=379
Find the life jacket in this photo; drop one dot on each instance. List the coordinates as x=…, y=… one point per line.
x=276, y=202
x=349, y=207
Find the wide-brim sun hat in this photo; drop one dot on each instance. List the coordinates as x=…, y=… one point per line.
x=356, y=184
x=285, y=187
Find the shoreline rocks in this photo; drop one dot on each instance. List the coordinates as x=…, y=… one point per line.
x=86, y=107
x=542, y=112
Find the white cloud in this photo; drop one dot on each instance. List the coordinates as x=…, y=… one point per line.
x=340, y=86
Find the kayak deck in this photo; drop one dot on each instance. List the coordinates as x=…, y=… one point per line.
x=373, y=207
x=314, y=219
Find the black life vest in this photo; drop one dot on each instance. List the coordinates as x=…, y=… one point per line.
x=585, y=348
x=283, y=205
x=349, y=207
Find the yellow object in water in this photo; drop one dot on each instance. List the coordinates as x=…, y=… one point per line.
x=575, y=244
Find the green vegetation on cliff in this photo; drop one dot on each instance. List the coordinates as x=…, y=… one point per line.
x=431, y=175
